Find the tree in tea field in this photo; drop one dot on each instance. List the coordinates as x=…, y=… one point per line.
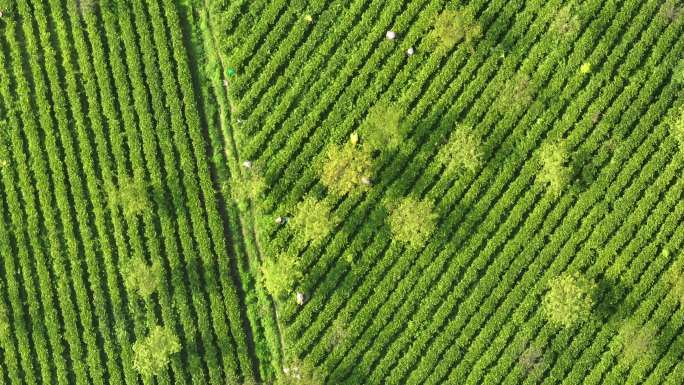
x=251, y=187
x=131, y=196
x=565, y=23
x=346, y=169
x=313, y=219
x=530, y=359
x=412, y=221
x=300, y=373
x=635, y=341
x=451, y=27
x=677, y=127
x=462, y=151
x=569, y=300
x=152, y=353
x=670, y=11
x=5, y=327
x=675, y=277
x=141, y=278
x=279, y=274
x=678, y=73
x=555, y=172
x=515, y=95
x=382, y=129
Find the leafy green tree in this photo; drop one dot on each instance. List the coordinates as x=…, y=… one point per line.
x=5, y=326
x=530, y=359
x=565, y=23
x=313, y=219
x=382, y=129
x=555, y=171
x=141, y=278
x=346, y=168
x=338, y=333
x=413, y=221
x=280, y=274
x=677, y=127
x=675, y=278
x=670, y=11
x=569, y=300
x=252, y=187
x=463, y=150
x=131, y=196
x=452, y=27
x=636, y=341
x=152, y=353
x=678, y=73
x=300, y=373
x=515, y=95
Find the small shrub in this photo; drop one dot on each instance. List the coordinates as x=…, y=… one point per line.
x=279, y=275
x=451, y=27
x=670, y=11
x=252, y=187
x=313, y=219
x=678, y=73
x=141, y=278
x=5, y=326
x=338, y=333
x=413, y=221
x=152, y=353
x=530, y=359
x=300, y=373
x=131, y=196
x=382, y=129
x=635, y=341
x=565, y=23
x=515, y=95
x=677, y=127
x=569, y=300
x=675, y=278
x=463, y=150
x=555, y=171
x=345, y=168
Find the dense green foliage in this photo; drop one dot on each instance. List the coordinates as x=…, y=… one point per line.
x=569, y=300
x=412, y=221
x=312, y=219
x=345, y=168
x=169, y=150
x=462, y=151
x=152, y=353
x=142, y=278
x=382, y=130
x=280, y=274
x=452, y=27
x=555, y=172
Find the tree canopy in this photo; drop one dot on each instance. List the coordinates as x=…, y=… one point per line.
x=152, y=353
x=555, y=172
x=454, y=26
x=313, y=219
x=345, y=168
x=141, y=278
x=636, y=341
x=280, y=274
x=462, y=151
x=131, y=196
x=569, y=300
x=382, y=129
x=412, y=221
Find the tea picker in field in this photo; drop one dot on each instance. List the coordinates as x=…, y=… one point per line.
x=300, y=298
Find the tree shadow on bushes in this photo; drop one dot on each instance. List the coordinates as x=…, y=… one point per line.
x=609, y=297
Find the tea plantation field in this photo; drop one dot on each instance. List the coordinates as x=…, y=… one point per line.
x=371, y=192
